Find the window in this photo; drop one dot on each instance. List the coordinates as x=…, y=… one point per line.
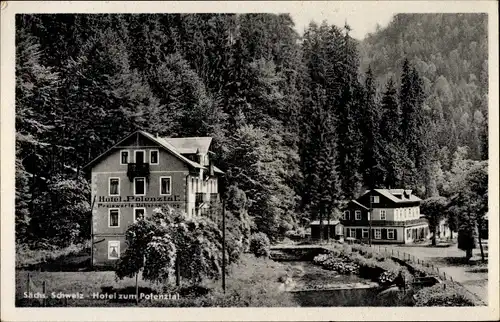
x=139, y=156
x=358, y=214
x=153, y=156
x=114, y=218
x=113, y=249
x=390, y=233
x=382, y=214
x=346, y=215
x=374, y=199
x=165, y=185
x=139, y=186
x=139, y=213
x=124, y=157
x=365, y=233
x=378, y=234
x=352, y=233
x=114, y=186
x=408, y=234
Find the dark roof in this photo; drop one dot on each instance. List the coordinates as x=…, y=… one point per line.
x=391, y=195
x=164, y=143
x=190, y=145
x=357, y=203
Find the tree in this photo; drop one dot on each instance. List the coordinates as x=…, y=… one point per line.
x=434, y=210
x=471, y=205
x=348, y=110
x=259, y=245
x=170, y=242
x=372, y=158
x=256, y=162
x=398, y=169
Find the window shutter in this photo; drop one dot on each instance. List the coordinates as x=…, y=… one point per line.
x=395, y=234
x=359, y=233
x=384, y=233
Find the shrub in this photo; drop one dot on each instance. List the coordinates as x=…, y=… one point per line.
x=444, y=294
x=259, y=245
x=27, y=256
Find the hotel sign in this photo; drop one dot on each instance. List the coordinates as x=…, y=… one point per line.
x=174, y=201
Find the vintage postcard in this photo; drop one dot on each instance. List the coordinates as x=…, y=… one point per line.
x=249, y=160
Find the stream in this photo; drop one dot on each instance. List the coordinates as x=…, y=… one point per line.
x=311, y=285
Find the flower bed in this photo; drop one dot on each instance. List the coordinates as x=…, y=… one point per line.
x=346, y=261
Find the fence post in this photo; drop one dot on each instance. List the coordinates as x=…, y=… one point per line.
x=28, y=287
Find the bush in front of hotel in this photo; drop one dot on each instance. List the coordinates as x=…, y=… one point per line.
x=259, y=245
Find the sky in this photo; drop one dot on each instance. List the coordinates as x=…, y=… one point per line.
x=362, y=17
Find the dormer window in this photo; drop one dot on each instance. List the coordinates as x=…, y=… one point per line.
x=153, y=157
x=124, y=157
x=358, y=214
x=345, y=216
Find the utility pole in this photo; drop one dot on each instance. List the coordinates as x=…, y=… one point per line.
x=92, y=234
x=224, y=246
x=370, y=222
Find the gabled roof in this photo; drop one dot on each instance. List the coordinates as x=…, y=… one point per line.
x=357, y=203
x=389, y=194
x=168, y=146
x=162, y=142
x=190, y=145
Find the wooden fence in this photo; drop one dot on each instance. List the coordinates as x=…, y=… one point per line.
x=417, y=263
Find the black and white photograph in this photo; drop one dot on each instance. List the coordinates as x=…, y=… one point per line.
x=293, y=158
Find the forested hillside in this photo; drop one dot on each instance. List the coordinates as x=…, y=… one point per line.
x=450, y=53
x=299, y=123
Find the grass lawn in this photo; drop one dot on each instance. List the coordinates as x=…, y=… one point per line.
x=85, y=283
x=254, y=282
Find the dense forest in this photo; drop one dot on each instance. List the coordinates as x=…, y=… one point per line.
x=300, y=122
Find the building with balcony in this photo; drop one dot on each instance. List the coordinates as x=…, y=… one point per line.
x=142, y=172
x=385, y=216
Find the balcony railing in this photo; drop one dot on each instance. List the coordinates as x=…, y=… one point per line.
x=384, y=223
x=214, y=198
x=200, y=199
x=135, y=170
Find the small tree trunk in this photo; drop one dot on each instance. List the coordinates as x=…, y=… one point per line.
x=434, y=236
x=177, y=272
x=328, y=228
x=480, y=244
x=137, y=288
x=321, y=227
